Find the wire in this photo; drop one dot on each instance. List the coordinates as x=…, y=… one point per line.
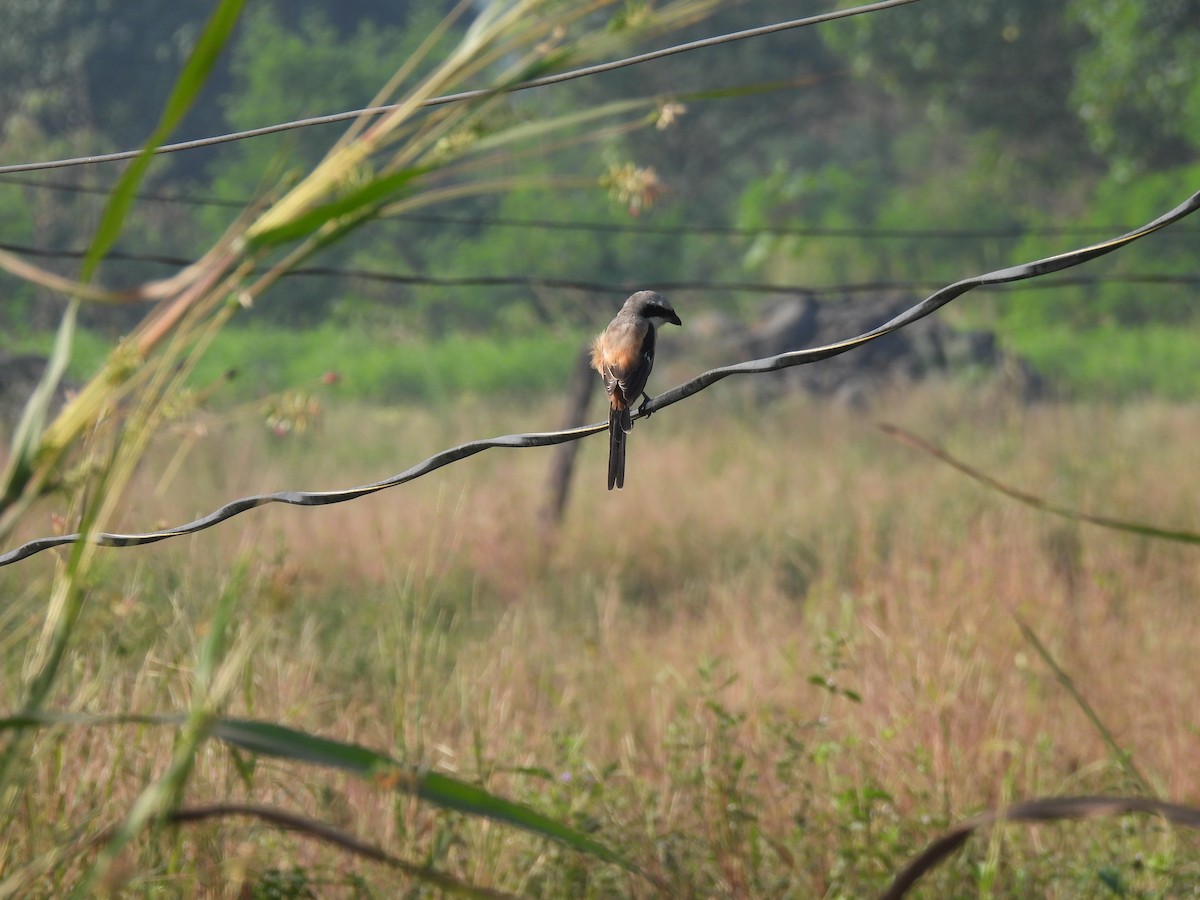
x=186, y=199
x=372, y=111
x=711, y=230
x=602, y=287
x=929, y=305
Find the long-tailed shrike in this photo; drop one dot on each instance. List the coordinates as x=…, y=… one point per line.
x=624, y=356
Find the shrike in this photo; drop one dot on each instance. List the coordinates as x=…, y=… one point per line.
x=624, y=356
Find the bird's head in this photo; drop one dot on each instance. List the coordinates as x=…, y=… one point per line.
x=652, y=306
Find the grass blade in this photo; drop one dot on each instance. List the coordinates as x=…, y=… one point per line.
x=27, y=438
x=450, y=793
x=1045, y=809
x=312, y=828
x=1138, y=528
x=282, y=742
x=87, y=720
x=270, y=739
x=1120, y=755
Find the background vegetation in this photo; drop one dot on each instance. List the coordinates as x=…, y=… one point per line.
x=785, y=660
x=995, y=127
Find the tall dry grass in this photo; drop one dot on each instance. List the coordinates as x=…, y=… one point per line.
x=777, y=663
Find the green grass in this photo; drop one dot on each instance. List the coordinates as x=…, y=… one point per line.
x=377, y=368
x=1100, y=362
x=370, y=367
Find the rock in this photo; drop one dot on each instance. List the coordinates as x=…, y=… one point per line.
x=926, y=347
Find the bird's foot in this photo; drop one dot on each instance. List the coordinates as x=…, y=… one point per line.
x=642, y=411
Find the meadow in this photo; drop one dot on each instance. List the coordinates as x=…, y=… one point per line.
x=778, y=664
x=793, y=652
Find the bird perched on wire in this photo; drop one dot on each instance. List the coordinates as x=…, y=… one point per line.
x=624, y=356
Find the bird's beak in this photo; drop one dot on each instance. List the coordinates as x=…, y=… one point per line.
x=674, y=320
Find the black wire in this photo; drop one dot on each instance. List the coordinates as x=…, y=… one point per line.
x=649, y=228
x=372, y=111
x=611, y=287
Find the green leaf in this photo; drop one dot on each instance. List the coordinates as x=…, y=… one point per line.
x=451, y=794
x=47, y=720
x=270, y=739
x=280, y=741
x=363, y=200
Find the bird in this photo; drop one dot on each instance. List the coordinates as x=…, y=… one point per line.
x=624, y=355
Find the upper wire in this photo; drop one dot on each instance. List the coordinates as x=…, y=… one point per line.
x=545, y=81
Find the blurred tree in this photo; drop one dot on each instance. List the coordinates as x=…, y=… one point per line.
x=106, y=66
x=996, y=113
x=783, y=96
x=1136, y=85
x=94, y=65
x=1000, y=66
x=41, y=61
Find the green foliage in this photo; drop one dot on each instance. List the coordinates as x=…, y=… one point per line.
x=838, y=195
x=933, y=116
x=1120, y=202
x=1135, y=85
x=548, y=252
x=283, y=884
x=989, y=134
x=92, y=66
x=325, y=69
x=930, y=54
x=1111, y=361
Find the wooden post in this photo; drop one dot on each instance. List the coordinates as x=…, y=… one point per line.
x=583, y=384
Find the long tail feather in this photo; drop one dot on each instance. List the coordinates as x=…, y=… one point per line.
x=616, y=448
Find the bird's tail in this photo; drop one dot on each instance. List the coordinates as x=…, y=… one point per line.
x=619, y=425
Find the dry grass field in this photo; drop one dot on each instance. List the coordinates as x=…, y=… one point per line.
x=778, y=664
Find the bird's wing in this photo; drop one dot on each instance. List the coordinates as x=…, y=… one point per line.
x=633, y=379
x=624, y=358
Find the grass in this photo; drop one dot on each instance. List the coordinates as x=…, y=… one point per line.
x=370, y=366
x=1115, y=361
x=375, y=366
x=376, y=369
x=777, y=665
